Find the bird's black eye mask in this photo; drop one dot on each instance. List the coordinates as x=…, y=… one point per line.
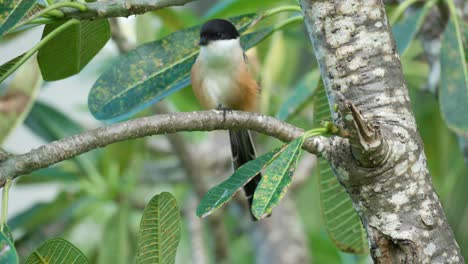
x=217, y=29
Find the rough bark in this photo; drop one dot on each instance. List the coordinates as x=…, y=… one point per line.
x=382, y=165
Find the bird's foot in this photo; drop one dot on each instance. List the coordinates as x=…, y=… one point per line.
x=224, y=109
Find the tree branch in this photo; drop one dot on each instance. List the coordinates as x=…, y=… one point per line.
x=66, y=148
x=119, y=8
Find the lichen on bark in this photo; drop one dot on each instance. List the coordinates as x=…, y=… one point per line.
x=362, y=74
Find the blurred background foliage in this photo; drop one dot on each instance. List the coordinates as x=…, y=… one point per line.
x=101, y=195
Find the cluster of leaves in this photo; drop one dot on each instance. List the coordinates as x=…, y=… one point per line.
x=159, y=237
x=78, y=41
x=278, y=167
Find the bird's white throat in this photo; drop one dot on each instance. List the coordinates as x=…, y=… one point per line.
x=221, y=54
x=219, y=63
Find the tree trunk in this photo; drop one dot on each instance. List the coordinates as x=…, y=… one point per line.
x=381, y=163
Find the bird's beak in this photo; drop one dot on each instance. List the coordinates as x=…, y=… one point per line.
x=203, y=41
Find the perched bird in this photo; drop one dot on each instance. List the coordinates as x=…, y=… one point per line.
x=221, y=79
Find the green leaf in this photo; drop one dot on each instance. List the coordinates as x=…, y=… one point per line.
x=276, y=179
x=222, y=193
x=48, y=175
x=220, y=6
x=7, y=250
x=7, y=232
x=57, y=251
x=11, y=12
x=8, y=66
x=232, y=7
x=405, y=30
x=453, y=91
x=159, y=231
x=341, y=220
x=21, y=93
x=51, y=124
x=151, y=72
x=43, y=213
x=301, y=94
x=71, y=50
x=115, y=248
x=12, y=65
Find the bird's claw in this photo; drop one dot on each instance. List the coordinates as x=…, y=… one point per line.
x=224, y=109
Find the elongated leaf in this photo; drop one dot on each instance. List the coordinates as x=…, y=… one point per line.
x=9, y=67
x=7, y=233
x=7, y=250
x=21, y=93
x=276, y=179
x=115, y=248
x=71, y=50
x=453, y=92
x=151, y=72
x=47, y=175
x=159, y=231
x=60, y=222
x=11, y=12
x=61, y=209
x=219, y=7
x=405, y=30
x=301, y=94
x=341, y=220
x=50, y=124
x=57, y=251
x=222, y=193
x=231, y=7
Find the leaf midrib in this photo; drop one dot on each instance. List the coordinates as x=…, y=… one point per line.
x=285, y=169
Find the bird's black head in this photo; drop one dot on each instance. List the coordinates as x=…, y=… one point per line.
x=217, y=29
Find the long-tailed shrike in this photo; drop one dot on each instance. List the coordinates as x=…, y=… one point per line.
x=221, y=77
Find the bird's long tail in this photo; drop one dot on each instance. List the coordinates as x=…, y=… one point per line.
x=243, y=151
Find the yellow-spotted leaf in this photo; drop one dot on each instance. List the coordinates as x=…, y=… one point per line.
x=341, y=220
x=222, y=193
x=159, y=231
x=11, y=12
x=453, y=91
x=153, y=71
x=71, y=50
x=57, y=251
x=276, y=179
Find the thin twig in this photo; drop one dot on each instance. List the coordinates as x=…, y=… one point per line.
x=119, y=8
